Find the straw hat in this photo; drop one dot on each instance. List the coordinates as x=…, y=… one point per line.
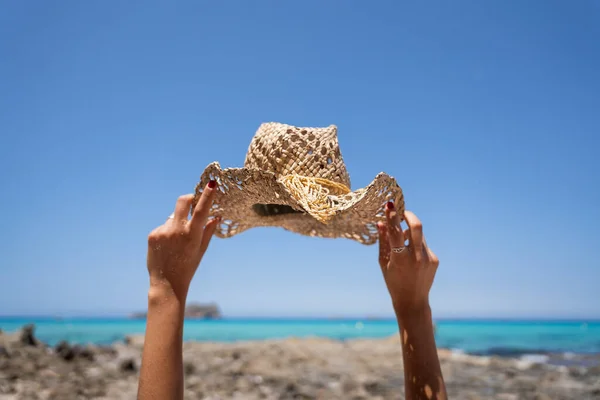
x=295, y=178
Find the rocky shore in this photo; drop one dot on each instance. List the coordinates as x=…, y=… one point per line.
x=275, y=369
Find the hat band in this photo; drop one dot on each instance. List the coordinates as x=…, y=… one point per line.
x=315, y=194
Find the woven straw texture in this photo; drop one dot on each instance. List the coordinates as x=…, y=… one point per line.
x=301, y=175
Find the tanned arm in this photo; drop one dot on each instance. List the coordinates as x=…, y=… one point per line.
x=408, y=271
x=422, y=372
x=175, y=250
x=161, y=374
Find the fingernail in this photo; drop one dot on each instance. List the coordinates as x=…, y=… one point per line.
x=390, y=205
x=212, y=184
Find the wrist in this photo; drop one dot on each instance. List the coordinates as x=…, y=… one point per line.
x=163, y=287
x=162, y=295
x=410, y=312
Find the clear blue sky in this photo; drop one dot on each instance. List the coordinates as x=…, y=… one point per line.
x=487, y=113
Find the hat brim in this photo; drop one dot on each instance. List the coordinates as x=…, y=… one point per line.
x=240, y=189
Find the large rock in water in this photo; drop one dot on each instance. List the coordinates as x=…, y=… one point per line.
x=206, y=311
x=194, y=310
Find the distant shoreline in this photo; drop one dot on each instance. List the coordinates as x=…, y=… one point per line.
x=284, y=318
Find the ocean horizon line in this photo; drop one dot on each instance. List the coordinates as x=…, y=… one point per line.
x=258, y=318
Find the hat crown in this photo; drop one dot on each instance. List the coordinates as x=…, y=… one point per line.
x=288, y=150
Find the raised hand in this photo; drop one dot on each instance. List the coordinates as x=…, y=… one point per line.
x=176, y=248
x=408, y=269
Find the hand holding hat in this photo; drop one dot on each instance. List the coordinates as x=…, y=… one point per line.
x=408, y=269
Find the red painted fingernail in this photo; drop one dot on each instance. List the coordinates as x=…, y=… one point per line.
x=212, y=184
x=390, y=205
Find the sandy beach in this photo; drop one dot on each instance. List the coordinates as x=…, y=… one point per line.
x=310, y=368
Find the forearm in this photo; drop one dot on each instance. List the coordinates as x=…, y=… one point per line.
x=161, y=375
x=422, y=372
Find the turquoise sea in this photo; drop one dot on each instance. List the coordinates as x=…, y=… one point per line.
x=471, y=336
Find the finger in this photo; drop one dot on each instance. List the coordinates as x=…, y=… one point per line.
x=182, y=207
x=428, y=252
x=202, y=209
x=384, y=245
x=209, y=230
x=425, y=247
x=170, y=219
x=416, y=233
x=394, y=229
x=433, y=259
x=406, y=235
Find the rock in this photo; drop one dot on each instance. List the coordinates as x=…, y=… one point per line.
x=87, y=353
x=12, y=376
x=511, y=373
x=69, y=353
x=7, y=388
x=66, y=351
x=367, y=369
x=374, y=388
x=63, y=391
x=27, y=336
x=507, y=396
x=577, y=372
x=4, y=352
x=48, y=373
x=134, y=340
x=594, y=371
x=128, y=365
x=28, y=368
x=206, y=311
x=189, y=368
x=105, y=351
x=295, y=391
x=200, y=311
